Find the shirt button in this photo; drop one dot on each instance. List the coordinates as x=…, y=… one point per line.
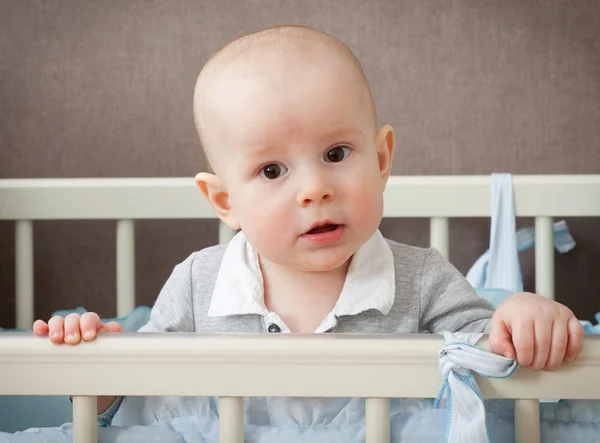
x=274, y=328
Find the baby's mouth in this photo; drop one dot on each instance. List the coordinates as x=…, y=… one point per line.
x=327, y=227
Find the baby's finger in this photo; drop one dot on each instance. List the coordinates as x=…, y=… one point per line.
x=558, y=347
x=575, y=339
x=523, y=340
x=56, y=329
x=500, y=339
x=541, y=349
x=89, y=324
x=113, y=326
x=40, y=327
x=72, y=332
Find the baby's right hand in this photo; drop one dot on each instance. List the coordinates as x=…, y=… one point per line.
x=73, y=327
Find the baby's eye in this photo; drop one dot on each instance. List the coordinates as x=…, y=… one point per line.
x=337, y=154
x=273, y=171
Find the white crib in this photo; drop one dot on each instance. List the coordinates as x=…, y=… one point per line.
x=237, y=366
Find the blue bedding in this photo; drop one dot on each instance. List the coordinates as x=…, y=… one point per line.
x=560, y=422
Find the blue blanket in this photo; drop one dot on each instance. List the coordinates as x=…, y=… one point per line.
x=560, y=422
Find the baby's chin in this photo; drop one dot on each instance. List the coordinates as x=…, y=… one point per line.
x=324, y=261
x=301, y=259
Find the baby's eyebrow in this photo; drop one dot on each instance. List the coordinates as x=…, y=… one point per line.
x=259, y=149
x=344, y=133
x=258, y=152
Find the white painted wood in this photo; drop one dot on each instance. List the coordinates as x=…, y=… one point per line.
x=103, y=198
x=231, y=419
x=527, y=421
x=225, y=233
x=24, y=273
x=544, y=257
x=377, y=420
x=125, y=267
x=313, y=365
x=469, y=196
x=439, y=235
x=85, y=424
x=405, y=196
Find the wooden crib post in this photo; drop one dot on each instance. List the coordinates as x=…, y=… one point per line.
x=225, y=233
x=125, y=267
x=439, y=235
x=85, y=424
x=378, y=420
x=231, y=419
x=544, y=257
x=527, y=421
x=24, y=273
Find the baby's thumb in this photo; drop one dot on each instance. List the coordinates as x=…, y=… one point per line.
x=112, y=326
x=501, y=339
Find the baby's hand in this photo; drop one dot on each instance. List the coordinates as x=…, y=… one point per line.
x=73, y=327
x=541, y=333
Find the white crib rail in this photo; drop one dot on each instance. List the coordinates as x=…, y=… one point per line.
x=127, y=199
x=235, y=366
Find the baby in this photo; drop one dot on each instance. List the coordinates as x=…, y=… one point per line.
x=288, y=124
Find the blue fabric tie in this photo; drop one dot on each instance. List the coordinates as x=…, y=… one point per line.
x=465, y=417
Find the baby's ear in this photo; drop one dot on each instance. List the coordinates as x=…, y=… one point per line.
x=214, y=190
x=385, y=150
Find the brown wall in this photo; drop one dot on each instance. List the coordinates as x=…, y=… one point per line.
x=103, y=89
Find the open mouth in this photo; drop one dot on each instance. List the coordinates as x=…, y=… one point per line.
x=323, y=228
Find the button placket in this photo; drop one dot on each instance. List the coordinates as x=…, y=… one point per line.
x=273, y=328
x=273, y=324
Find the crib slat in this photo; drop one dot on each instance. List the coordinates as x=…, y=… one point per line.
x=544, y=257
x=24, y=273
x=439, y=235
x=527, y=421
x=231, y=419
x=125, y=267
x=85, y=425
x=378, y=420
x=225, y=233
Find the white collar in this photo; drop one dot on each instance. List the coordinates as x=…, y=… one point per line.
x=370, y=281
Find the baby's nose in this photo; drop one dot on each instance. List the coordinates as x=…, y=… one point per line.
x=315, y=192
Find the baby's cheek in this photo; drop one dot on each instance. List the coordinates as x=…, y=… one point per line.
x=267, y=228
x=366, y=209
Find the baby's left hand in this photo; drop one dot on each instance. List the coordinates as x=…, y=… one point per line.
x=541, y=333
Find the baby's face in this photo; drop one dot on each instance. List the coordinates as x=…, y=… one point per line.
x=298, y=156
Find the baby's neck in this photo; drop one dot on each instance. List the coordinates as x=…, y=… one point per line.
x=302, y=299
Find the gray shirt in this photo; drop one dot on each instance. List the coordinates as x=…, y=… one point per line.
x=430, y=296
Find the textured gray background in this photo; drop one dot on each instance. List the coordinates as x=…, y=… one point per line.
x=103, y=89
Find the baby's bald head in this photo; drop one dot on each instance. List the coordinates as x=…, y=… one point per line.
x=285, y=59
